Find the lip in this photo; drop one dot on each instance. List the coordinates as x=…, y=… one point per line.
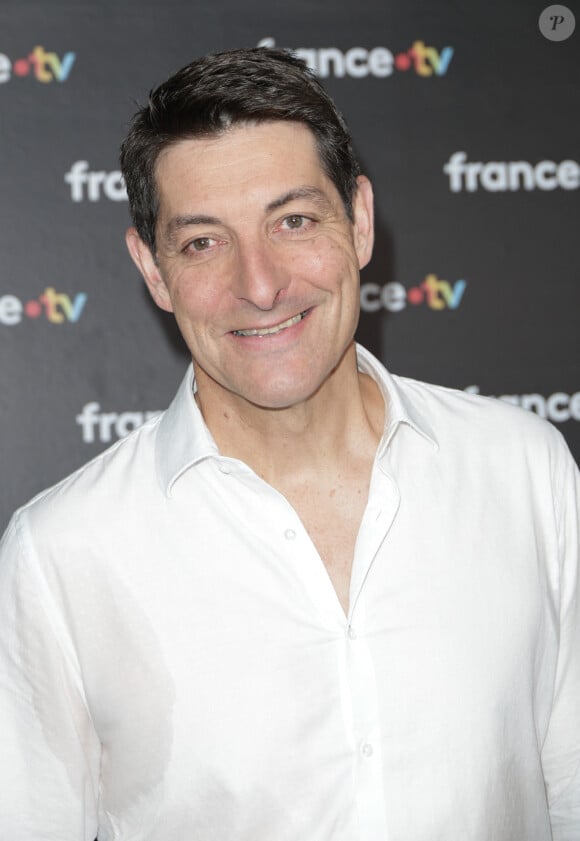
x=269, y=331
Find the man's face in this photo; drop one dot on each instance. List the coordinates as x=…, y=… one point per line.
x=257, y=260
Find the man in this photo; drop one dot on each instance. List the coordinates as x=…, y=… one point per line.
x=313, y=600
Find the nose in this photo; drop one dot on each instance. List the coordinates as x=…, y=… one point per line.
x=261, y=274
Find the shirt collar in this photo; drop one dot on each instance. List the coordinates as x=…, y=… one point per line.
x=183, y=439
x=400, y=407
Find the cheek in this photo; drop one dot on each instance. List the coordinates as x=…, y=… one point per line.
x=330, y=265
x=196, y=298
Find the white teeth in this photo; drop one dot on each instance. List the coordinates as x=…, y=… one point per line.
x=270, y=331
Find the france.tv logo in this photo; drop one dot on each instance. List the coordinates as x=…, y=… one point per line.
x=42, y=65
x=359, y=62
x=55, y=307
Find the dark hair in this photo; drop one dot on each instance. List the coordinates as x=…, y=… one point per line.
x=217, y=91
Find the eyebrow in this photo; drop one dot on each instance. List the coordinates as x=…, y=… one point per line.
x=313, y=193
x=188, y=220
x=179, y=222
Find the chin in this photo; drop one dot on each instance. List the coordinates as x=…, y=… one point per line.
x=280, y=396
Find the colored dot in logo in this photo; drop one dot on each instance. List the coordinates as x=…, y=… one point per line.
x=33, y=309
x=402, y=61
x=415, y=296
x=21, y=67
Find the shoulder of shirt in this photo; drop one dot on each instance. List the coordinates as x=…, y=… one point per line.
x=447, y=415
x=452, y=412
x=96, y=482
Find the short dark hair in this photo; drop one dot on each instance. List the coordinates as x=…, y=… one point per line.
x=216, y=91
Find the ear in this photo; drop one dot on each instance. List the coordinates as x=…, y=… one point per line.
x=145, y=262
x=364, y=224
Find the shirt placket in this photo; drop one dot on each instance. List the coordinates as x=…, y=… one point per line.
x=359, y=670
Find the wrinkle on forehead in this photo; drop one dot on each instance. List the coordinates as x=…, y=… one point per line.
x=240, y=154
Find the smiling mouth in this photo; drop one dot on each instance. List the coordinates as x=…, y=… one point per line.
x=271, y=331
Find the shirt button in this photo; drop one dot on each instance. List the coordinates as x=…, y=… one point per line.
x=225, y=469
x=366, y=749
x=351, y=633
x=289, y=534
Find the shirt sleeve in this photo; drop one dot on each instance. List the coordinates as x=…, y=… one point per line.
x=50, y=753
x=561, y=749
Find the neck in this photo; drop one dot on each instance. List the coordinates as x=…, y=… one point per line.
x=342, y=420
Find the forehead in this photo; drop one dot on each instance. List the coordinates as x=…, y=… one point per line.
x=243, y=157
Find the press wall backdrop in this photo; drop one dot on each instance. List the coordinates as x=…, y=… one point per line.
x=466, y=118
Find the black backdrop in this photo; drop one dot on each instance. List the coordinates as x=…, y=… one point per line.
x=465, y=117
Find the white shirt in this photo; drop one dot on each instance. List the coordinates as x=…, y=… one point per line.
x=175, y=664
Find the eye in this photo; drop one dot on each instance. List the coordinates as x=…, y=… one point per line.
x=201, y=243
x=295, y=221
